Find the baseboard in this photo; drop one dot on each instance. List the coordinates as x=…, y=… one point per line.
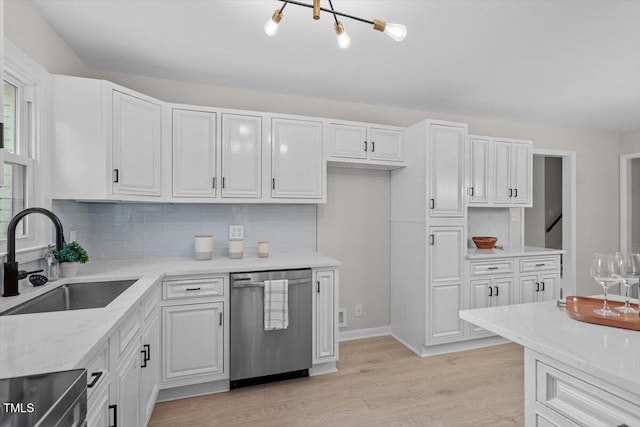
x=462, y=346
x=359, y=334
x=404, y=343
x=323, y=368
x=194, y=390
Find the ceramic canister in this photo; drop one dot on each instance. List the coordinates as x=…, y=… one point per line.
x=236, y=248
x=263, y=249
x=203, y=245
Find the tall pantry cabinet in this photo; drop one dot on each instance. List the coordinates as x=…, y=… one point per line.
x=428, y=235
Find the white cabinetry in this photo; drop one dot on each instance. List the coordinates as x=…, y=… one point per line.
x=489, y=292
x=194, y=153
x=539, y=277
x=150, y=368
x=127, y=383
x=241, y=156
x=194, y=330
x=428, y=235
x=325, y=321
x=107, y=141
x=500, y=172
x=365, y=145
x=298, y=168
x=98, y=381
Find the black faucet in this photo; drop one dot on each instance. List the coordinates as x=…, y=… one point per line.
x=11, y=273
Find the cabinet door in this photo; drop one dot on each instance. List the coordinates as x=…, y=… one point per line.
x=480, y=298
x=128, y=387
x=241, y=156
x=502, y=291
x=194, y=153
x=98, y=413
x=501, y=173
x=446, y=254
x=297, y=163
x=521, y=173
x=150, y=369
x=137, y=141
x=192, y=340
x=446, y=189
x=386, y=145
x=529, y=288
x=324, y=320
x=348, y=141
x=479, y=173
x=548, y=287
x=446, y=303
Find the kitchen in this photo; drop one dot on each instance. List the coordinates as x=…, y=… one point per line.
x=353, y=222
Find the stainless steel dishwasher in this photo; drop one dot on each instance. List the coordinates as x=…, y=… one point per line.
x=259, y=356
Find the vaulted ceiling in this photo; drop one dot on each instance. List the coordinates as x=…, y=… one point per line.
x=572, y=63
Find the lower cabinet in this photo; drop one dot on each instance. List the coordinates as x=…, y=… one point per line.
x=193, y=341
x=538, y=287
x=150, y=368
x=325, y=318
x=490, y=292
x=127, y=382
x=98, y=409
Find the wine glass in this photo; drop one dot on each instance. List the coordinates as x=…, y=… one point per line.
x=629, y=274
x=605, y=270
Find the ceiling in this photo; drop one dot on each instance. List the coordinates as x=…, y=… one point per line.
x=571, y=63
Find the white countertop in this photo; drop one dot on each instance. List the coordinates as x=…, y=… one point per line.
x=45, y=342
x=606, y=352
x=474, y=253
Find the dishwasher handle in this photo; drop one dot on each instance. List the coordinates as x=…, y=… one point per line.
x=247, y=283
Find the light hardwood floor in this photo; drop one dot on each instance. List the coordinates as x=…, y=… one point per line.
x=379, y=383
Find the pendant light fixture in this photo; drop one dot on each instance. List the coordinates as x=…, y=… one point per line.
x=396, y=31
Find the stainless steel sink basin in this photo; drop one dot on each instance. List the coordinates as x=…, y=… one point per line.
x=73, y=296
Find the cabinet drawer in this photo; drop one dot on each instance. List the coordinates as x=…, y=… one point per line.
x=189, y=288
x=150, y=301
x=128, y=330
x=493, y=267
x=97, y=371
x=581, y=402
x=538, y=264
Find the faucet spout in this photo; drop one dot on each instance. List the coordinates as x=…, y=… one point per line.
x=11, y=266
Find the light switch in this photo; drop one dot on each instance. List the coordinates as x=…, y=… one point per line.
x=515, y=214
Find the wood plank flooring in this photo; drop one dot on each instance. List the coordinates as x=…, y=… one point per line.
x=379, y=383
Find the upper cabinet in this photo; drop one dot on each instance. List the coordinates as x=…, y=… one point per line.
x=446, y=173
x=298, y=169
x=500, y=172
x=241, y=156
x=365, y=145
x=108, y=142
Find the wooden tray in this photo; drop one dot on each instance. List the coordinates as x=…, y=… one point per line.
x=581, y=308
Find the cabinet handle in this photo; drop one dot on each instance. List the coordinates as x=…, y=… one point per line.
x=542, y=286
x=432, y=203
x=318, y=287
x=116, y=175
x=541, y=265
x=96, y=376
x=537, y=287
x=273, y=183
x=147, y=347
x=497, y=291
x=432, y=239
x=115, y=415
x=515, y=191
x=214, y=182
x=220, y=319
x=144, y=358
x=365, y=146
x=193, y=289
x=223, y=182
x=493, y=268
x=471, y=191
x=373, y=146
x=511, y=192
x=490, y=291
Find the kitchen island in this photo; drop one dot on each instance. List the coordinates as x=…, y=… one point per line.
x=576, y=373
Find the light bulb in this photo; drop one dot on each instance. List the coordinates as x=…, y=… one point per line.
x=396, y=31
x=344, y=41
x=271, y=26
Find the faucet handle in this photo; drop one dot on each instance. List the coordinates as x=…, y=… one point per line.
x=22, y=274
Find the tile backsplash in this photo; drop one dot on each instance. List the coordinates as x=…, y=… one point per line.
x=489, y=222
x=127, y=231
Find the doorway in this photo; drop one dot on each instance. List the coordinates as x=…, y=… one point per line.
x=550, y=223
x=630, y=206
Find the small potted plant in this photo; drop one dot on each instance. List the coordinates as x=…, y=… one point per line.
x=70, y=257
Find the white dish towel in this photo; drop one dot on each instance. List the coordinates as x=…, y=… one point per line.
x=276, y=304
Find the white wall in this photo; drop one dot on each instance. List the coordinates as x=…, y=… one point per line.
x=630, y=143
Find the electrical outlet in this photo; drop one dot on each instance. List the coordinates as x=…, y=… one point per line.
x=358, y=310
x=515, y=214
x=236, y=232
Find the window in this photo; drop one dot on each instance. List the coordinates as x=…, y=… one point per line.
x=17, y=170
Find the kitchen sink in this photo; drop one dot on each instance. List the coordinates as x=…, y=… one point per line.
x=73, y=296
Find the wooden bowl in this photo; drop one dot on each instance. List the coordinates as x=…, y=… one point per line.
x=484, y=242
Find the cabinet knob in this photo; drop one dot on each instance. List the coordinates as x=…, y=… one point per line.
x=115, y=415
x=497, y=291
x=373, y=146
x=542, y=286
x=471, y=191
x=515, y=192
x=511, y=192
x=432, y=203
x=490, y=291
x=116, y=175
x=432, y=239
x=365, y=146
x=537, y=286
x=96, y=376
